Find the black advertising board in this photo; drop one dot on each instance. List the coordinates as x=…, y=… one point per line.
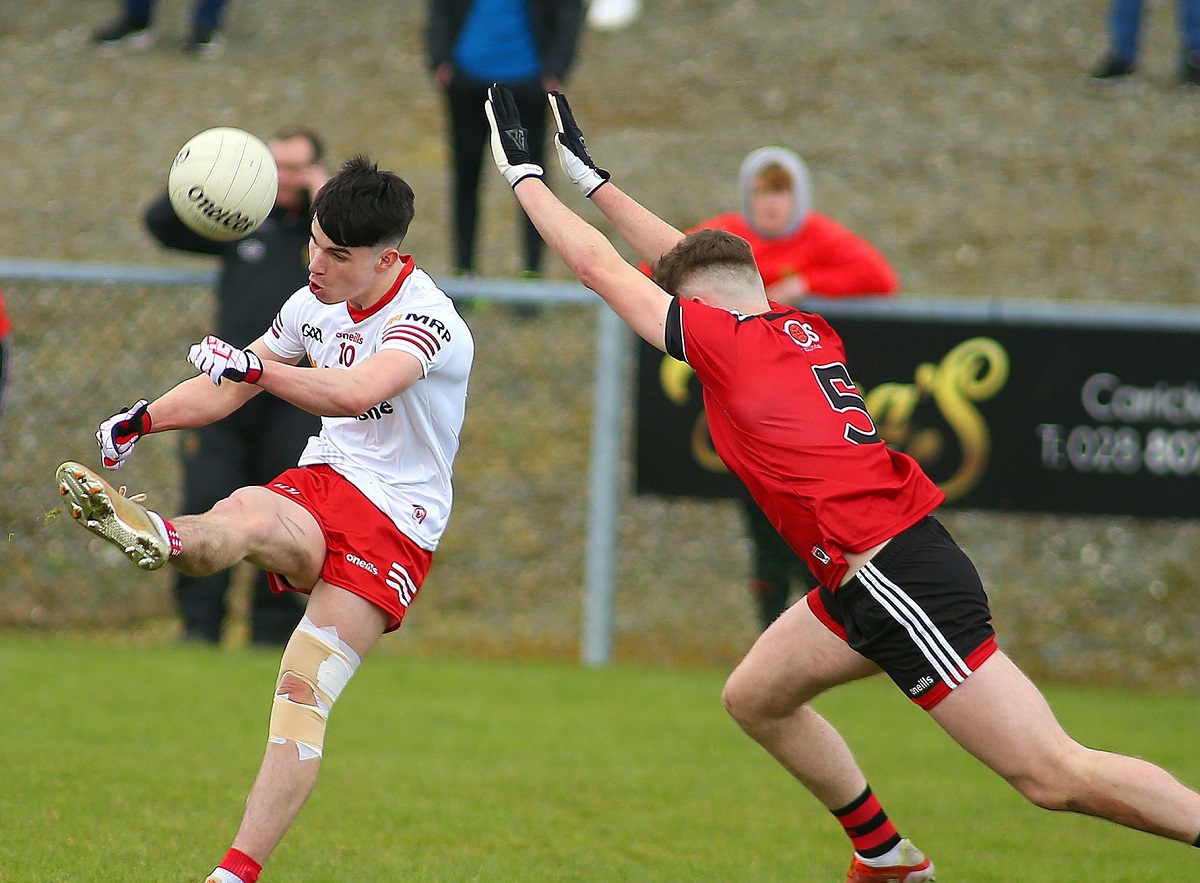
x=1008, y=406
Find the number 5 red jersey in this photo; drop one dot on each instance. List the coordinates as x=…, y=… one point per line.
x=786, y=418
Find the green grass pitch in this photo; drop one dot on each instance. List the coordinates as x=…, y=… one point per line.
x=130, y=763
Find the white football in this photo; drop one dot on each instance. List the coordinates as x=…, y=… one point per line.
x=222, y=183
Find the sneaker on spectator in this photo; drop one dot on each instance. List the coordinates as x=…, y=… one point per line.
x=1191, y=71
x=124, y=33
x=1113, y=70
x=204, y=40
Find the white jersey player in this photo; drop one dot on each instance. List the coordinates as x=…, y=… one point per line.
x=356, y=523
x=398, y=452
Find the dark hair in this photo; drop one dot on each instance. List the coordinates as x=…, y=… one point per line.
x=702, y=250
x=314, y=140
x=364, y=206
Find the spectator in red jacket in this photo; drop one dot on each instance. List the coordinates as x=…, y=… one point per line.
x=5, y=329
x=799, y=252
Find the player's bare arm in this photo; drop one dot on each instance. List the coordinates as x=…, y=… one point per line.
x=188, y=405
x=649, y=235
x=594, y=262
x=194, y=403
x=199, y=402
x=328, y=393
x=343, y=393
x=584, y=249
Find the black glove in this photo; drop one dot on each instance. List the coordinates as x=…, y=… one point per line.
x=573, y=155
x=510, y=141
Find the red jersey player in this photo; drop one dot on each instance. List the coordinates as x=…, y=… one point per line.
x=898, y=594
x=799, y=252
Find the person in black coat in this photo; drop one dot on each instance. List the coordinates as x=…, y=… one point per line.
x=264, y=438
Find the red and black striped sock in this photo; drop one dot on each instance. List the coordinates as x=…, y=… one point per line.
x=867, y=825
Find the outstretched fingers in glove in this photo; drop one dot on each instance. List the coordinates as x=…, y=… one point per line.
x=510, y=140
x=573, y=155
x=119, y=433
x=223, y=361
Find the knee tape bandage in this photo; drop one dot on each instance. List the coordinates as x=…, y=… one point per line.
x=322, y=661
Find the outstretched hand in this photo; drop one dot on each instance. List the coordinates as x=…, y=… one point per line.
x=222, y=361
x=119, y=433
x=510, y=140
x=573, y=155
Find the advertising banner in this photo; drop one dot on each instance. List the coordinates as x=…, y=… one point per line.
x=1060, y=410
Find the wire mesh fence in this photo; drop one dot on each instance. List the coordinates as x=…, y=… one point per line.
x=1113, y=599
x=508, y=575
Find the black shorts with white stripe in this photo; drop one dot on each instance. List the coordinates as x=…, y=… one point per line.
x=918, y=610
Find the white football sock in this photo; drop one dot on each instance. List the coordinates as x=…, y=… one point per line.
x=220, y=875
x=887, y=860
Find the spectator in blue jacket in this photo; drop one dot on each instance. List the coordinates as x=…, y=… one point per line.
x=527, y=44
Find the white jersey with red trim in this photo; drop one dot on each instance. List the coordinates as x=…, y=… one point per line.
x=400, y=452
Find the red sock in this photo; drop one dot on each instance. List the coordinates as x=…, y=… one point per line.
x=176, y=546
x=237, y=862
x=867, y=825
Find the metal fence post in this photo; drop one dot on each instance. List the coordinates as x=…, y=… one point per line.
x=604, y=492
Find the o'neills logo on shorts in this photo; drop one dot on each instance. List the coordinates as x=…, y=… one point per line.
x=922, y=685
x=365, y=565
x=231, y=220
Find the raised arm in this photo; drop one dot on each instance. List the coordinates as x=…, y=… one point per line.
x=649, y=235
x=585, y=250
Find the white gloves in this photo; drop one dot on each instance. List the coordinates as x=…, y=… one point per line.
x=223, y=361
x=119, y=433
